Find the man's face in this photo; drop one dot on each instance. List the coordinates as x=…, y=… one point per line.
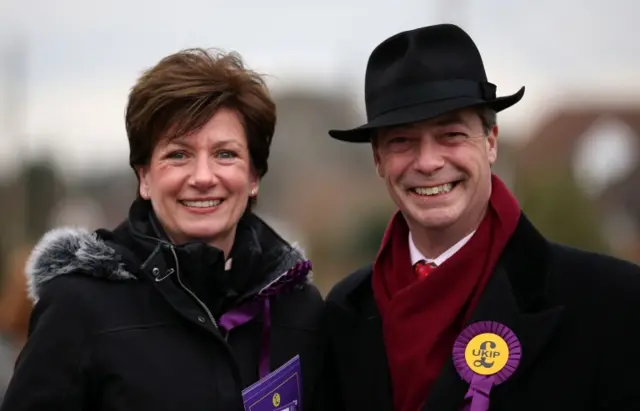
x=438, y=172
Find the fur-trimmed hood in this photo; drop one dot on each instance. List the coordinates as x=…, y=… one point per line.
x=79, y=251
x=72, y=250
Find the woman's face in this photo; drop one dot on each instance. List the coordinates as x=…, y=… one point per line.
x=199, y=184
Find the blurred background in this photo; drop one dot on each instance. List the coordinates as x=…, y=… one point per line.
x=569, y=150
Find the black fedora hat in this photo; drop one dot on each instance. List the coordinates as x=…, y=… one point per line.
x=423, y=73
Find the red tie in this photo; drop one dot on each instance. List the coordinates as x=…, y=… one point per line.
x=422, y=268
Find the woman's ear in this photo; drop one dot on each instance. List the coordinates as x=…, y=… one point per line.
x=254, y=183
x=143, y=184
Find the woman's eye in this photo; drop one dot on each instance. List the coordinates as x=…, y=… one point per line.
x=178, y=155
x=226, y=154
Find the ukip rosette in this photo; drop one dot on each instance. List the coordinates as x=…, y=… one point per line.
x=485, y=354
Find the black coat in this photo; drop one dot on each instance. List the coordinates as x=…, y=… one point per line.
x=110, y=331
x=576, y=315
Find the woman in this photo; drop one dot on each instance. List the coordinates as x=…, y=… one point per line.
x=193, y=297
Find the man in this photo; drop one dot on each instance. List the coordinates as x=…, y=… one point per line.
x=466, y=305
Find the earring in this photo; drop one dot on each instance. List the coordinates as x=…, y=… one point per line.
x=254, y=192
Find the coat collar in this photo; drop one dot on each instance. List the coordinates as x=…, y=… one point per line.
x=134, y=248
x=516, y=296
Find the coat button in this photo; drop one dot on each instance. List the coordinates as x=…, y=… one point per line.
x=201, y=319
x=155, y=271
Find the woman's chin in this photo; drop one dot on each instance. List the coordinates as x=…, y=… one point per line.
x=206, y=234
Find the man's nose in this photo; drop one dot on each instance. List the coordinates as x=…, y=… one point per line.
x=429, y=156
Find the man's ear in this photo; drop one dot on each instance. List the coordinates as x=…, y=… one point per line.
x=378, y=170
x=492, y=144
x=376, y=160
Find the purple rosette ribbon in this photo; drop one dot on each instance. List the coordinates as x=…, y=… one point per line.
x=485, y=354
x=260, y=303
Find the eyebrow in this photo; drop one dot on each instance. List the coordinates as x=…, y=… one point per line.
x=226, y=143
x=180, y=141
x=175, y=142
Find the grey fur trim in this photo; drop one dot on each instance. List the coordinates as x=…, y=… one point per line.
x=71, y=250
x=75, y=250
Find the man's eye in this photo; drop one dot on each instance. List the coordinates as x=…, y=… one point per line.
x=398, y=140
x=455, y=136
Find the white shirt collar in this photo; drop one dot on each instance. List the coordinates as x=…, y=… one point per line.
x=416, y=255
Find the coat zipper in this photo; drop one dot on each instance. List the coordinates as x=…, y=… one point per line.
x=191, y=293
x=234, y=365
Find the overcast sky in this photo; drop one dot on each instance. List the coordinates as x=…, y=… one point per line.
x=83, y=56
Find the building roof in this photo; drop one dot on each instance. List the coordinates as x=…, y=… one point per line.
x=553, y=143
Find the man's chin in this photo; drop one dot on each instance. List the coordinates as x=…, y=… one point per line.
x=437, y=219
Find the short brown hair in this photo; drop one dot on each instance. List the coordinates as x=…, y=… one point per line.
x=489, y=118
x=184, y=90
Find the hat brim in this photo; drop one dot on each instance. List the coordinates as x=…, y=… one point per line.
x=422, y=112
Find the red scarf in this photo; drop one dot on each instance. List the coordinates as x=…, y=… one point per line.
x=421, y=319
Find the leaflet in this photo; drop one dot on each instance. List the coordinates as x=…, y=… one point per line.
x=280, y=390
